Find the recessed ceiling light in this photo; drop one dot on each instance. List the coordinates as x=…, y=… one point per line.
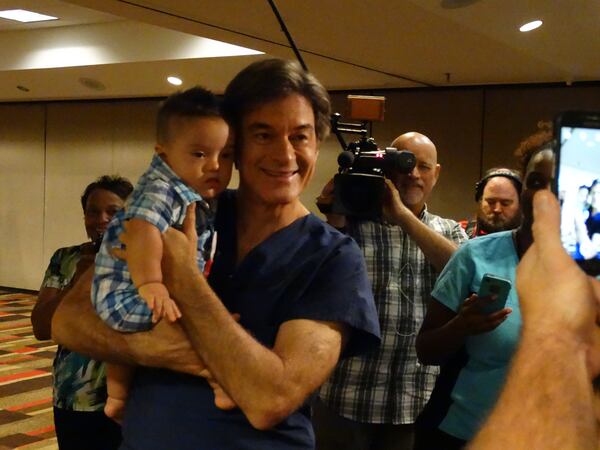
x=22, y=15
x=174, y=81
x=531, y=26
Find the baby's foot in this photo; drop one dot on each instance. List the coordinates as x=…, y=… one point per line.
x=115, y=409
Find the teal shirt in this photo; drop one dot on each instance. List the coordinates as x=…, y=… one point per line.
x=489, y=354
x=79, y=382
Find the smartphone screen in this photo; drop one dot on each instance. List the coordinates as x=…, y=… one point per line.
x=578, y=186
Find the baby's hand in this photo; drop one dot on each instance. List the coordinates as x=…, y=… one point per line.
x=162, y=305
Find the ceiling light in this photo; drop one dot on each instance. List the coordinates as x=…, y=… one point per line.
x=174, y=81
x=531, y=26
x=22, y=15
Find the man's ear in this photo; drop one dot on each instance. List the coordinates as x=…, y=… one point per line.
x=438, y=168
x=160, y=151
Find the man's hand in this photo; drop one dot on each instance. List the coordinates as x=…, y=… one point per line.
x=473, y=321
x=180, y=249
x=326, y=199
x=394, y=210
x=558, y=300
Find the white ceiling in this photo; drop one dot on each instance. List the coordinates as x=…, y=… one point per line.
x=129, y=47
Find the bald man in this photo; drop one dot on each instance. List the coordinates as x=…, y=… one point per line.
x=371, y=402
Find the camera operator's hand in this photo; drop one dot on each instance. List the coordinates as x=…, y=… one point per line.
x=326, y=199
x=394, y=210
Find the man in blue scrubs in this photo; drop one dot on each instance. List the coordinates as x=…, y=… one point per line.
x=299, y=286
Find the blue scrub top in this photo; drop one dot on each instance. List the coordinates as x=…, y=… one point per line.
x=307, y=270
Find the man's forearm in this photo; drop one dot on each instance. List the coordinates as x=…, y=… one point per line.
x=547, y=403
x=76, y=326
x=266, y=385
x=436, y=248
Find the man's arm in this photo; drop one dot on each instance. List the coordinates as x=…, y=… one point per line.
x=267, y=384
x=549, y=391
x=436, y=248
x=76, y=326
x=49, y=297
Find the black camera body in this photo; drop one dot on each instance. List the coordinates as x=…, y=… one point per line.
x=359, y=186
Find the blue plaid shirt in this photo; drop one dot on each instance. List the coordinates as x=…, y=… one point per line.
x=160, y=198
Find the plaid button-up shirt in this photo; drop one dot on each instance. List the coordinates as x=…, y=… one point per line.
x=389, y=385
x=160, y=198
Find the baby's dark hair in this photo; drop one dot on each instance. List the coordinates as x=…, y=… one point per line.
x=114, y=183
x=192, y=103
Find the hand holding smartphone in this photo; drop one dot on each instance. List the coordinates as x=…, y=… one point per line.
x=493, y=285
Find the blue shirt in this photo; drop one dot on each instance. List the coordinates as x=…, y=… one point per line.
x=478, y=382
x=160, y=198
x=307, y=270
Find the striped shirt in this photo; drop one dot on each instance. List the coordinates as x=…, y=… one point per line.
x=160, y=198
x=389, y=385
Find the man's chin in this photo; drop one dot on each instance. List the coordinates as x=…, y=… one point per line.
x=494, y=227
x=411, y=199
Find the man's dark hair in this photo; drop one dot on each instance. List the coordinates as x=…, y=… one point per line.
x=192, y=103
x=271, y=79
x=119, y=186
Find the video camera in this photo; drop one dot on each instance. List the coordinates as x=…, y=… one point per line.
x=359, y=186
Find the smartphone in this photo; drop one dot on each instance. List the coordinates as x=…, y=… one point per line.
x=494, y=285
x=577, y=185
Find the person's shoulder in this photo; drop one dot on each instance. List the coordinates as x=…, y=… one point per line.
x=330, y=234
x=63, y=251
x=489, y=242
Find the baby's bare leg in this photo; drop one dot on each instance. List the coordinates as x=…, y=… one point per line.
x=118, y=380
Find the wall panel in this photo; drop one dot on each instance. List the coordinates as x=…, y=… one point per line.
x=511, y=114
x=98, y=138
x=21, y=195
x=50, y=152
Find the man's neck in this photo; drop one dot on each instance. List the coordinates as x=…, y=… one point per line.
x=417, y=210
x=256, y=221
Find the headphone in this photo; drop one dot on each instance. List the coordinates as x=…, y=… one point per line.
x=512, y=175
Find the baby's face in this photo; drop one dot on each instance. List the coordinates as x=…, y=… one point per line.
x=200, y=152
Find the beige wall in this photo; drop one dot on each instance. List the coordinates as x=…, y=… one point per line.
x=21, y=194
x=50, y=152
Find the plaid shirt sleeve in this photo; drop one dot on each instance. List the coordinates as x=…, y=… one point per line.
x=156, y=204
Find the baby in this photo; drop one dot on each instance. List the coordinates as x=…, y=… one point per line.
x=193, y=163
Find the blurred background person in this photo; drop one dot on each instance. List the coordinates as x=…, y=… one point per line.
x=498, y=208
x=79, y=391
x=474, y=347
